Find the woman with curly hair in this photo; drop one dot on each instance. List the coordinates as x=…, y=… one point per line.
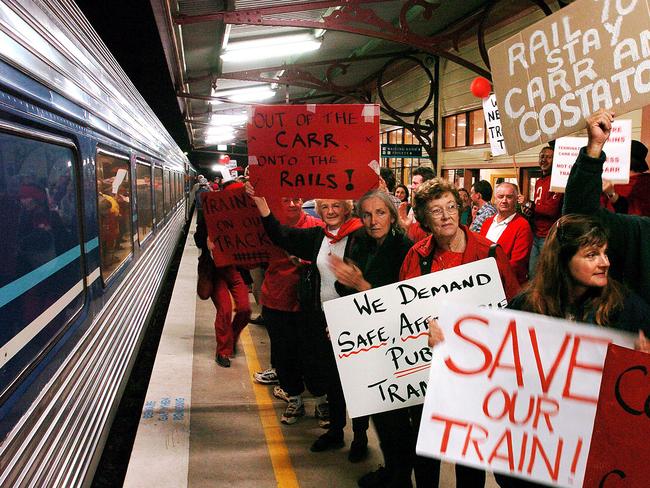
x=437, y=206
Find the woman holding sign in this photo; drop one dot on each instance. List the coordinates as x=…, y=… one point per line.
x=573, y=283
x=317, y=245
x=375, y=260
x=437, y=206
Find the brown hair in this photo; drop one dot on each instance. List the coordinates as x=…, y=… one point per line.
x=548, y=292
x=432, y=190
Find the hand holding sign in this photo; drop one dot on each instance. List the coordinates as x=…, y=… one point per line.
x=260, y=202
x=436, y=334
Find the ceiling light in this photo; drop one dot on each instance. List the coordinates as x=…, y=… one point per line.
x=219, y=139
x=270, y=47
x=218, y=130
x=228, y=119
x=253, y=93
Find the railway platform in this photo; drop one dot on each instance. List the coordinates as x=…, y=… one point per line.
x=204, y=425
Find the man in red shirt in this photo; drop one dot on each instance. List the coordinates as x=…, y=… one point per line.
x=282, y=317
x=546, y=208
x=510, y=230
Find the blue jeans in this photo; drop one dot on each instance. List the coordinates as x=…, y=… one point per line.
x=538, y=244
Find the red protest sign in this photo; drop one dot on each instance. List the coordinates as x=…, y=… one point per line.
x=308, y=151
x=235, y=227
x=619, y=443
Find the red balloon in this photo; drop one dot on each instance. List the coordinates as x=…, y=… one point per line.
x=481, y=87
x=225, y=158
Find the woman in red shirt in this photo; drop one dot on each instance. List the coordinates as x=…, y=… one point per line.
x=437, y=206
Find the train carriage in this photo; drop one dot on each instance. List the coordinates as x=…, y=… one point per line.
x=94, y=194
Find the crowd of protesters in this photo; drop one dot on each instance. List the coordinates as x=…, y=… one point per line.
x=556, y=255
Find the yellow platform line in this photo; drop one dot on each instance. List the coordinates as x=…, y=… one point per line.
x=282, y=467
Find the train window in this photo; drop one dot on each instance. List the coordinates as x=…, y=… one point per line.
x=172, y=183
x=145, y=205
x=158, y=193
x=114, y=208
x=41, y=276
x=167, y=194
x=178, y=187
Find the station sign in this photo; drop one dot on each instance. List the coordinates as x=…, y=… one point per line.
x=402, y=151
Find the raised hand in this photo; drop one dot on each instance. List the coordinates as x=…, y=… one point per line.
x=599, y=125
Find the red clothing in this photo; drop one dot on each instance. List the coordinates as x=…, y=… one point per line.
x=227, y=328
x=280, y=286
x=477, y=248
x=415, y=232
x=548, y=206
x=516, y=241
x=637, y=194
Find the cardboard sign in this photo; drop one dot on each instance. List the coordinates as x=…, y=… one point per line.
x=235, y=227
x=515, y=393
x=380, y=336
x=314, y=151
x=552, y=75
x=493, y=125
x=617, y=149
x=619, y=443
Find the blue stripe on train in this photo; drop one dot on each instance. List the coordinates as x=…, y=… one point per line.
x=21, y=285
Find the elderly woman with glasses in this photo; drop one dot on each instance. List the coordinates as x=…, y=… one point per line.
x=437, y=205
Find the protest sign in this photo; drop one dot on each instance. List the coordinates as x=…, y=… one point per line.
x=515, y=393
x=619, y=443
x=617, y=150
x=380, y=336
x=552, y=75
x=493, y=125
x=314, y=151
x=235, y=227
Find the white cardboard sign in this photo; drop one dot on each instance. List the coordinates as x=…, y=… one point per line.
x=515, y=393
x=493, y=125
x=380, y=336
x=617, y=148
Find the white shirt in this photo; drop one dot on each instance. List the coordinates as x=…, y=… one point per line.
x=497, y=228
x=327, y=277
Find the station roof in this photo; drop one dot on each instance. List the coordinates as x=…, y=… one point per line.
x=357, y=38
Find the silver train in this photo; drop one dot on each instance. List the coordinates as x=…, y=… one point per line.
x=94, y=194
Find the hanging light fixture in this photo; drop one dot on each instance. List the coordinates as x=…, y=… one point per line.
x=270, y=47
x=251, y=93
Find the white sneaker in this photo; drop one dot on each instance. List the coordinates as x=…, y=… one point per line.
x=266, y=377
x=294, y=409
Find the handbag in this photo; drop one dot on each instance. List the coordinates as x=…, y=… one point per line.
x=206, y=275
x=309, y=288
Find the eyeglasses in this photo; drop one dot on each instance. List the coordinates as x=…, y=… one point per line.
x=436, y=212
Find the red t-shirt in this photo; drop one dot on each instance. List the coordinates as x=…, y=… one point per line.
x=280, y=286
x=548, y=206
x=637, y=193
